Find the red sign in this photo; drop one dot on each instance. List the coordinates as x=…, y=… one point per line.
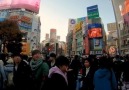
x=95, y=32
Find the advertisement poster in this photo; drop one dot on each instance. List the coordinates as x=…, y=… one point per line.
x=5, y=4
x=95, y=32
x=32, y=5
x=97, y=44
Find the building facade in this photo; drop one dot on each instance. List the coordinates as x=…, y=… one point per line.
x=29, y=24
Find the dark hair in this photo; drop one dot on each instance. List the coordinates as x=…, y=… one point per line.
x=105, y=62
x=35, y=52
x=62, y=60
x=53, y=55
x=16, y=54
x=76, y=57
x=89, y=60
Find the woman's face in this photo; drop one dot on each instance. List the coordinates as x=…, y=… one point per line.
x=87, y=64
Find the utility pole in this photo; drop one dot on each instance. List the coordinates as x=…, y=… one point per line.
x=117, y=27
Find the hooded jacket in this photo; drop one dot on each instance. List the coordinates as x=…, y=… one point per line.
x=57, y=79
x=104, y=79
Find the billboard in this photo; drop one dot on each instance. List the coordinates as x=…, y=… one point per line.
x=95, y=25
x=32, y=5
x=92, y=12
x=94, y=20
x=71, y=24
x=5, y=4
x=97, y=44
x=87, y=49
x=82, y=19
x=95, y=32
x=52, y=35
x=24, y=21
x=3, y=15
x=125, y=10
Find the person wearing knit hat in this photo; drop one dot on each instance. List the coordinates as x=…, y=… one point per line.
x=35, y=52
x=40, y=70
x=52, y=60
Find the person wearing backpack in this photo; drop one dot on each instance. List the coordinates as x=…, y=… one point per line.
x=40, y=70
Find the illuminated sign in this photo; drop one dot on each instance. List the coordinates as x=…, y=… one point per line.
x=95, y=32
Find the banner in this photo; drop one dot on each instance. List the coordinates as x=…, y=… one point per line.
x=95, y=25
x=97, y=44
x=92, y=12
x=87, y=47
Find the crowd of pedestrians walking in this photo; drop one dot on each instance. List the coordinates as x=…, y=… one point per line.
x=20, y=72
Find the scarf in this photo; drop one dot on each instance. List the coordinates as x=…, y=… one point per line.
x=35, y=64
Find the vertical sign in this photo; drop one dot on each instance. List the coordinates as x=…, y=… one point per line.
x=93, y=12
x=87, y=47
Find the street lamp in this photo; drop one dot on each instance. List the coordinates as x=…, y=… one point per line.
x=117, y=26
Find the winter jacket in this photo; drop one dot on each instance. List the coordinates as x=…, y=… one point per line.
x=39, y=74
x=21, y=76
x=57, y=80
x=104, y=79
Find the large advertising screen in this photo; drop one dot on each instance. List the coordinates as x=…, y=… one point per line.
x=32, y=5
x=95, y=32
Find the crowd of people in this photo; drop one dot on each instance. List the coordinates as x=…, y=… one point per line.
x=20, y=72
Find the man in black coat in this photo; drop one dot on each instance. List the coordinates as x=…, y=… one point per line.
x=22, y=72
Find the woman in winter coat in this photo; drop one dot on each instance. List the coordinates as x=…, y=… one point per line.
x=104, y=78
x=87, y=75
x=58, y=75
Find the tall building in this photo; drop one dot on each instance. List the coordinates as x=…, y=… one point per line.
x=112, y=37
x=47, y=36
x=52, y=35
x=58, y=38
x=118, y=7
x=25, y=12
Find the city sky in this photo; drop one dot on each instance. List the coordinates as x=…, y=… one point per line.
x=56, y=13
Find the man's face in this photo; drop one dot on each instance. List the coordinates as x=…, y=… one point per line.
x=17, y=59
x=36, y=56
x=51, y=58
